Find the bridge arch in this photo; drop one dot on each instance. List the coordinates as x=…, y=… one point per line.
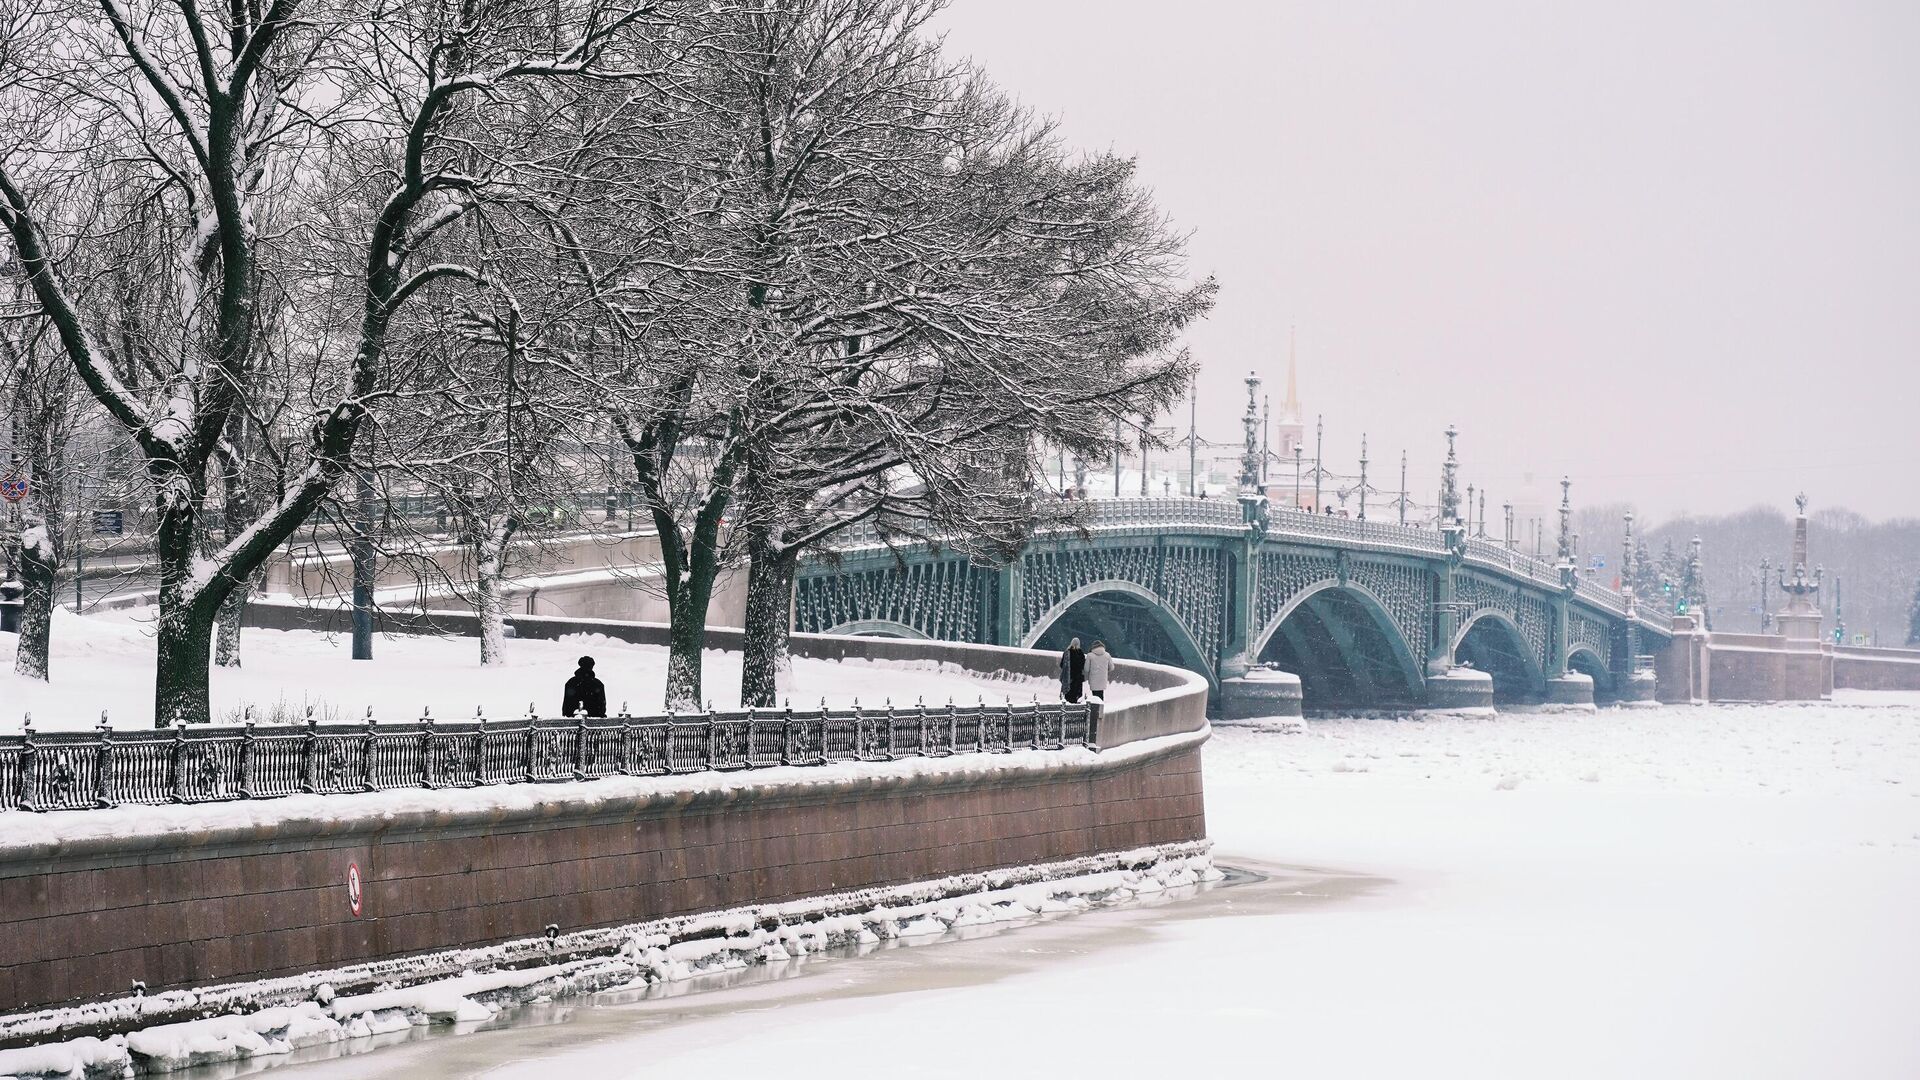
x=877, y=628
x=1127, y=596
x=1340, y=638
x=1493, y=642
x=1587, y=660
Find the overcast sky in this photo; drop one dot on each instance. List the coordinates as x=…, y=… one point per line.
x=1670, y=249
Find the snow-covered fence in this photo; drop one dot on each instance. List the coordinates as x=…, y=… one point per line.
x=103, y=768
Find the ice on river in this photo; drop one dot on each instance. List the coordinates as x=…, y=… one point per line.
x=1676, y=892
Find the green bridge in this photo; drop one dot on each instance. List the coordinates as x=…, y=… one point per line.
x=1365, y=614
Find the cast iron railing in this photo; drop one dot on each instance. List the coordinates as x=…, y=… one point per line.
x=79, y=770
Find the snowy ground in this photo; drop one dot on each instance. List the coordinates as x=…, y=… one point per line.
x=105, y=662
x=1684, y=892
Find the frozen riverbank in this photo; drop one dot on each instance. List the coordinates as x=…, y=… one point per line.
x=1689, y=892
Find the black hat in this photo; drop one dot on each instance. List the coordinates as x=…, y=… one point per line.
x=587, y=662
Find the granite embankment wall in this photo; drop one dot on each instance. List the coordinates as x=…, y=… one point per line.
x=1717, y=666
x=182, y=896
x=1858, y=667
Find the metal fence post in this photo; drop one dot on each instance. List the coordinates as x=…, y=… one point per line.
x=243, y=775
x=526, y=749
x=366, y=753
x=29, y=764
x=177, y=763
x=308, y=745
x=580, y=744
x=426, y=752
x=625, y=762
x=1093, y=724
x=103, y=765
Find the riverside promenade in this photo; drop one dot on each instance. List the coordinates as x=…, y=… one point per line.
x=478, y=840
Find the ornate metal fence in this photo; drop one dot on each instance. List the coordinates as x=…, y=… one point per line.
x=82, y=770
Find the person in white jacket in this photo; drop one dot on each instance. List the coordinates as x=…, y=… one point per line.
x=1099, y=663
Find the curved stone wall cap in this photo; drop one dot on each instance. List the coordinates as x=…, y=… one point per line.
x=1466, y=674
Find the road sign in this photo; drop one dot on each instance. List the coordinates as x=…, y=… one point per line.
x=353, y=888
x=14, y=487
x=108, y=522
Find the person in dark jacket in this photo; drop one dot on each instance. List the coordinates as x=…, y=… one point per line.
x=584, y=692
x=1073, y=671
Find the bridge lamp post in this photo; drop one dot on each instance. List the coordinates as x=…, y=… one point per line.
x=1363, y=476
x=1193, y=438
x=1297, y=448
x=1319, y=433
x=1403, y=487
x=1766, y=572
x=1508, y=507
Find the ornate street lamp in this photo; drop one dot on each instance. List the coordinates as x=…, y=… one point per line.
x=1319, y=433
x=1363, y=476
x=1766, y=579
x=1403, y=487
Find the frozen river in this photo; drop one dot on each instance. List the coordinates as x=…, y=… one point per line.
x=1685, y=892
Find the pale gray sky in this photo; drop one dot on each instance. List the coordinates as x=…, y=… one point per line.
x=1672, y=249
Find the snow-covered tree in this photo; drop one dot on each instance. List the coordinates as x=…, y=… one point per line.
x=1913, y=618
x=40, y=398
x=301, y=142
x=861, y=285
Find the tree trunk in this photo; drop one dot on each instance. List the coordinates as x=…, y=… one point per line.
x=766, y=664
x=38, y=563
x=490, y=603
x=687, y=635
x=238, y=513
x=184, y=633
x=490, y=594
x=180, y=690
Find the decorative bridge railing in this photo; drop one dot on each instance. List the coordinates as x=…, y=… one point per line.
x=103, y=768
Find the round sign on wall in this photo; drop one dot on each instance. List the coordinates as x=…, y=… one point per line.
x=353, y=888
x=14, y=487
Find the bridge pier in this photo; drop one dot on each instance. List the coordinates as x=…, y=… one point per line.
x=1260, y=693
x=1461, y=688
x=1570, y=688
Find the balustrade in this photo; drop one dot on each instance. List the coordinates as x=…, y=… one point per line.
x=77, y=770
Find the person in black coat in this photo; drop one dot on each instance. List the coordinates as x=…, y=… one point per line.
x=1073, y=671
x=584, y=692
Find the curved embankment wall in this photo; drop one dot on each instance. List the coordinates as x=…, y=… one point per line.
x=183, y=896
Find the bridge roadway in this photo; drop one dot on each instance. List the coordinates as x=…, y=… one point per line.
x=1366, y=614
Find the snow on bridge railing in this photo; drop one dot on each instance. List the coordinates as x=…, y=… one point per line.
x=103, y=768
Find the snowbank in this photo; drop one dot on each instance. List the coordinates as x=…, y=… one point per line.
x=105, y=662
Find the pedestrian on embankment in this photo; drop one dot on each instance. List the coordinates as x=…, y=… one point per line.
x=1099, y=664
x=1073, y=671
x=585, y=693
